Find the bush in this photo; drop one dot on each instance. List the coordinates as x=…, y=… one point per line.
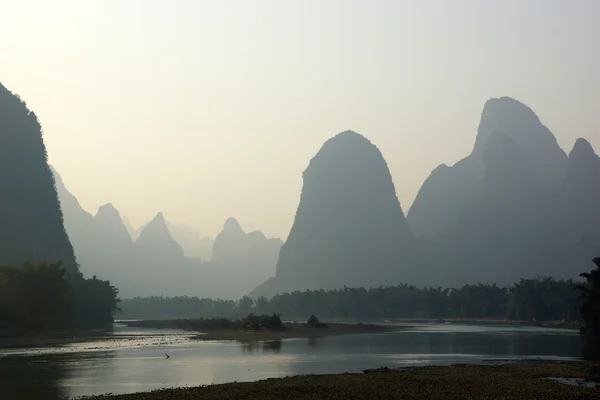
x=257, y=322
x=313, y=322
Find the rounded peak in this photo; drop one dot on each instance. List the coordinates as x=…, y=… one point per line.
x=348, y=137
x=582, y=148
x=510, y=114
x=232, y=224
x=506, y=102
x=346, y=145
x=350, y=134
x=256, y=235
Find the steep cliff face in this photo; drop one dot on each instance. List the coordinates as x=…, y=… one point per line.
x=580, y=195
x=31, y=220
x=537, y=143
x=450, y=192
x=349, y=228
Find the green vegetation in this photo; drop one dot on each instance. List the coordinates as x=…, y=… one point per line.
x=250, y=322
x=541, y=299
x=590, y=297
x=258, y=328
x=313, y=322
x=43, y=297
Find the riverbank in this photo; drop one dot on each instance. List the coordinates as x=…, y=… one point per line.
x=507, y=382
x=43, y=340
x=575, y=325
x=289, y=331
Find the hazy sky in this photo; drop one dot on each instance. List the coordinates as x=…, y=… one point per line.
x=210, y=109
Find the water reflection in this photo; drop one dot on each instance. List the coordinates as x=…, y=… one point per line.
x=39, y=376
x=271, y=346
x=131, y=364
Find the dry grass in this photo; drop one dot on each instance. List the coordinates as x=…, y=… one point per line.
x=516, y=381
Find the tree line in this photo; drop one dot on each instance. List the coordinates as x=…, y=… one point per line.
x=44, y=297
x=541, y=299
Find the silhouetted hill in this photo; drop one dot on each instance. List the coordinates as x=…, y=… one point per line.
x=31, y=220
x=580, y=194
x=230, y=245
x=244, y=259
x=499, y=215
x=156, y=240
x=450, y=192
x=109, y=219
x=349, y=228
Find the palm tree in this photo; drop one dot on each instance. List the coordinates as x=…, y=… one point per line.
x=590, y=299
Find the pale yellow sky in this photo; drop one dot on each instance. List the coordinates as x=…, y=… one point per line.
x=210, y=109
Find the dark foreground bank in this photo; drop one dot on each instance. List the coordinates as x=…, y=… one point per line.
x=509, y=381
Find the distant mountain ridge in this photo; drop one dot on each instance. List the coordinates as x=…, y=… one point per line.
x=153, y=262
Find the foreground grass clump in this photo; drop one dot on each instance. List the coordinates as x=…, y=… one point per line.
x=507, y=382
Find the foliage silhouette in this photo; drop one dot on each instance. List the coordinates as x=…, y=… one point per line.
x=41, y=298
x=590, y=299
x=529, y=299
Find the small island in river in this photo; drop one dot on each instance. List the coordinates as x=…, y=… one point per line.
x=260, y=328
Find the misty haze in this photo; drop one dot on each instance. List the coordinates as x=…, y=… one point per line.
x=201, y=193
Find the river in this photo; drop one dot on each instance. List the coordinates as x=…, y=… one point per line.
x=135, y=360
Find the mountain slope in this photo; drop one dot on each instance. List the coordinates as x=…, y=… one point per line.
x=31, y=220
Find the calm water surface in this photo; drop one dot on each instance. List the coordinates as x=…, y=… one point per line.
x=136, y=361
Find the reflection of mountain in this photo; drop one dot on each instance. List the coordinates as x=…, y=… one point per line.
x=156, y=263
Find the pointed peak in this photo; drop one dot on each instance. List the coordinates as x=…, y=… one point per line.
x=157, y=225
x=582, y=148
x=107, y=208
x=108, y=212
